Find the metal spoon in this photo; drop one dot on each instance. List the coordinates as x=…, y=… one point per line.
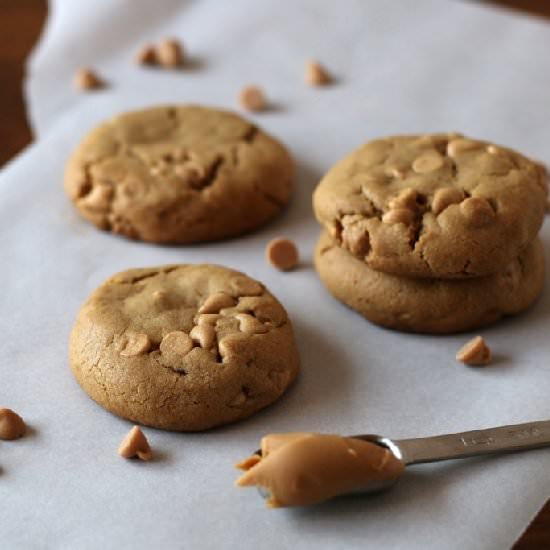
x=503, y=439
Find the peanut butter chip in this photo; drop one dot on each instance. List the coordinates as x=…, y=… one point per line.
x=147, y=55
x=427, y=162
x=135, y=445
x=169, y=53
x=493, y=150
x=282, y=254
x=247, y=463
x=462, y=145
x=398, y=173
x=98, y=198
x=478, y=211
x=238, y=400
x=136, y=344
x=246, y=287
x=87, y=79
x=475, y=353
x=215, y=302
x=204, y=335
x=406, y=199
x=443, y=198
x=176, y=343
x=316, y=74
x=399, y=215
x=12, y=425
x=248, y=323
x=252, y=98
x=208, y=319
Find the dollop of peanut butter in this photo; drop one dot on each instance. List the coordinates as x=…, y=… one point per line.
x=299, y=469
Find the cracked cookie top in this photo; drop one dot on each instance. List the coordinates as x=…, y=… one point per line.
x=441, y=205
x=183, y=347
x=179, y=174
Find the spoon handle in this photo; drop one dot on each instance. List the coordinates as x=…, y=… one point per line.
x=516, y=437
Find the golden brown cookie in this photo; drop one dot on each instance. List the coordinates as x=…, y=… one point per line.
x=430, y=305
x=183, y=347
x=179, y=174
x=441, y=206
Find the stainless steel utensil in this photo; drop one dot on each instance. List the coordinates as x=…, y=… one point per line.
x=503, y=439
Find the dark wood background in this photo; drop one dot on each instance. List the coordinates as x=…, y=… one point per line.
x=20, y=24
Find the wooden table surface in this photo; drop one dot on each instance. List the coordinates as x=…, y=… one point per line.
x=20, y=24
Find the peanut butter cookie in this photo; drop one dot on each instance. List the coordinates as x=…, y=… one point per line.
x=179, y=174
x=434, y=306
x=439, y=206
x=183, y=347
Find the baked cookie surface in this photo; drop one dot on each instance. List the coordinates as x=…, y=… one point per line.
x=179, y=174
x=441, y=206
x=430, y=305
x=183, y=347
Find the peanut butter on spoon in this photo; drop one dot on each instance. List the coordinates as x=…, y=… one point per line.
x=299, y=469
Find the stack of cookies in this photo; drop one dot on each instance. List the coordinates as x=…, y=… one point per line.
x=432, y=233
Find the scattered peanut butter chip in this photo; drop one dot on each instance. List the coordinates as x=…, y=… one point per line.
x=176, y=343
x=137, y=343
x=169, y=53
x=204, y=335
x=249, y=323
x=12, y=426
x=427, y=162
x=475, y=352
x=446, y=196
x=252, y=98
x=316, y=74
x=493, y=150
x=88, y=79
x=247, y=463
x=147, y=55
x=215, y=302
x=282, y=254
x=135, y=445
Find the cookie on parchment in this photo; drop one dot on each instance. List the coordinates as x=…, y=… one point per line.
x=433, y=306
x=439, y=206
x=179, y=174
x=183, y=347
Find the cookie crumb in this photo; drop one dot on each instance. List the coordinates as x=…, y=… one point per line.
x=147, y=55
x=169, y=53
x=12, y=426
x=252, y=98
x=88, y=79
x=475, y=353
x=316, y=74
x=282, y=254
x=135, y=445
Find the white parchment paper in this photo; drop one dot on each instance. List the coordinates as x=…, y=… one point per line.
x=402, y=67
